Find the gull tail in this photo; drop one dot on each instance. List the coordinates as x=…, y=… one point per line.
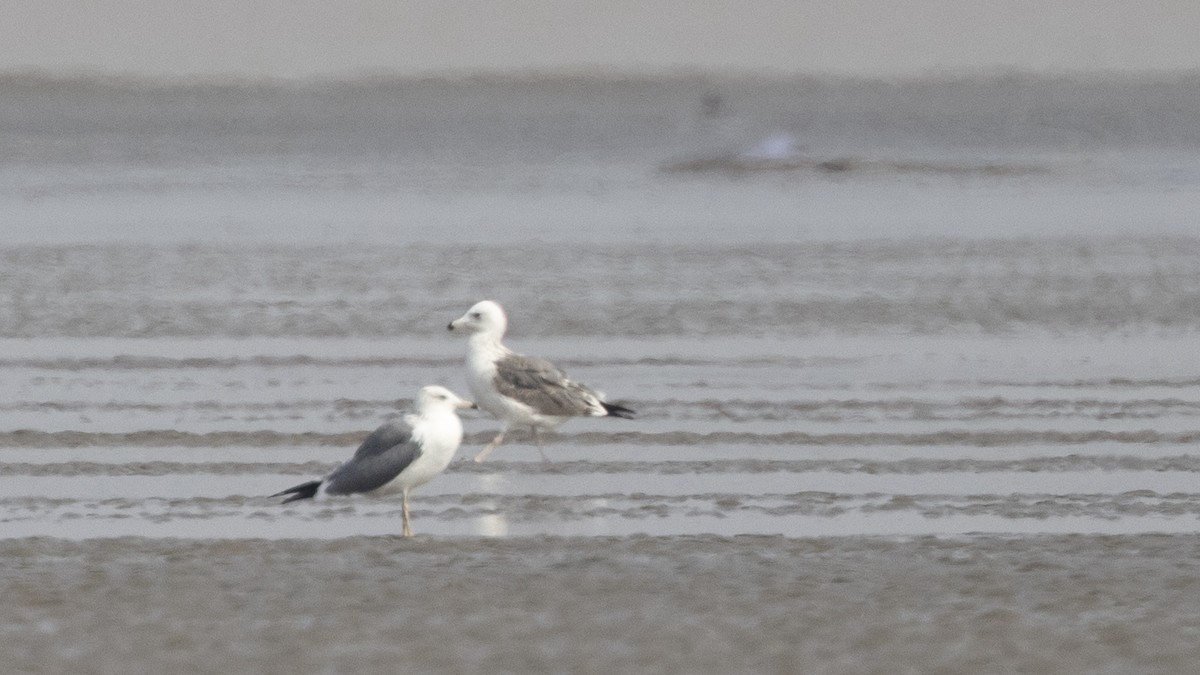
x=303, y=491
x=615, y=410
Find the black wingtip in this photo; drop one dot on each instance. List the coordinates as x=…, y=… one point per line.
x=303, y=491
x=615, y=410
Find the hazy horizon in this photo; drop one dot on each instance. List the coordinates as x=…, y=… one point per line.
x=303, y=39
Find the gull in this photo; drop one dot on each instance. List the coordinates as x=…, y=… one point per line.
x=521, y=390
x=398, y=456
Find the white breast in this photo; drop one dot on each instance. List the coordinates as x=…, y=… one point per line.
x=481, y=375
x=439, y=435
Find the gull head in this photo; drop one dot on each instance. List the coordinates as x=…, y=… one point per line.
x=484, y=317
x=433, y=397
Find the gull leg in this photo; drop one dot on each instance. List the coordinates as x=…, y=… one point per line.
x=487, y=449
x=404, y=514
x=537, y=438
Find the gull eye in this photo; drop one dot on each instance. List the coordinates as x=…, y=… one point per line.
x=476, y=315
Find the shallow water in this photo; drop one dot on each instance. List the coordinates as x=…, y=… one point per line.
x=1018, y=433
x=959, y=306
x=924, y=397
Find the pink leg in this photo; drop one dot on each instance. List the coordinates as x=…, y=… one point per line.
x=537, y=438
x=404, y=513
x=487, y=449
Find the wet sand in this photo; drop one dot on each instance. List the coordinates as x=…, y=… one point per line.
x=1051, y=604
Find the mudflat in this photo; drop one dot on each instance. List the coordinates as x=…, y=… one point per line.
x=977, y=604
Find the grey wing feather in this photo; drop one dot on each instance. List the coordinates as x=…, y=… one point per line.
x=542, y=386
x=381, y=457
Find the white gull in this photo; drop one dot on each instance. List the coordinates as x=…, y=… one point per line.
x=398, y=456
x=518, y=390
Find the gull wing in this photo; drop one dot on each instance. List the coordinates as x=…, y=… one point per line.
x=381, y=457
x=541, y=385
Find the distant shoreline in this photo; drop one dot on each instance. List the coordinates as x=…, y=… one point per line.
x=596, y=75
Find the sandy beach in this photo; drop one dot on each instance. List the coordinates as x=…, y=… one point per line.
x=1053, y=604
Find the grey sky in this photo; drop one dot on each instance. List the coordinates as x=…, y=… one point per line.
x=297, y=38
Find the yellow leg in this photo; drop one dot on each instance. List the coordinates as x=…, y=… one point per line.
x=487, y=449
